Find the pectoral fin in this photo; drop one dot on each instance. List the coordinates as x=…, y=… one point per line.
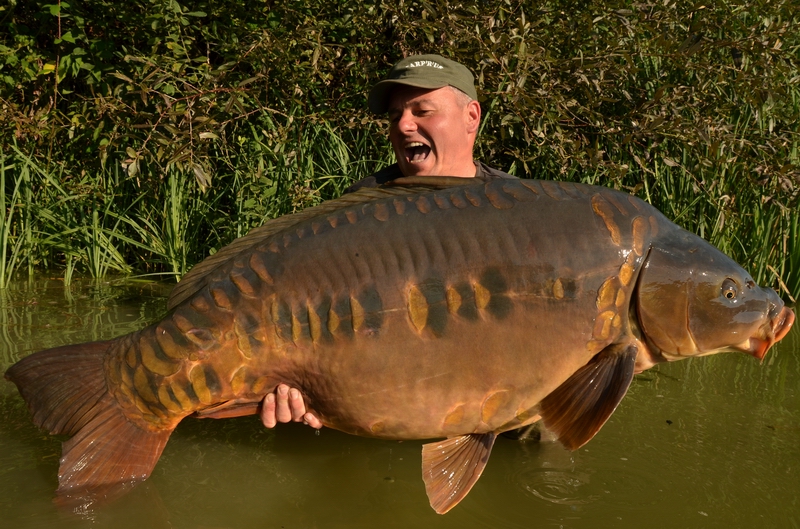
x=579, y=407
x=451, y=467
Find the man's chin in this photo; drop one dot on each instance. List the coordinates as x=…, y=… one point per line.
x=417, y=169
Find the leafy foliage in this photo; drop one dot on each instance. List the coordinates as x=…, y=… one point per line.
x=158, y=131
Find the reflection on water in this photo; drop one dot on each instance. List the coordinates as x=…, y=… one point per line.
x=706, y=443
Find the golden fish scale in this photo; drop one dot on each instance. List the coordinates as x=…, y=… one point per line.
x=408, y=317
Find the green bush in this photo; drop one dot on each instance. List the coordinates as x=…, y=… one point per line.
x=140, y=136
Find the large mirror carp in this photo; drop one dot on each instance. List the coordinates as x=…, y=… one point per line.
x=446, y=311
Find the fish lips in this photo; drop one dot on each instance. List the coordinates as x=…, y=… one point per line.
x=770, y=333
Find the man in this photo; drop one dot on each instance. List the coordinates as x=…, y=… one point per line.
x=434, y=118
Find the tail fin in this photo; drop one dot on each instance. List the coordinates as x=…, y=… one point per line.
x=65, y=389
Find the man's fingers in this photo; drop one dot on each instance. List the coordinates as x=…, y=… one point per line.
x=311, y=420
x=282, y=412
x=268, y=411
x=296, y=405
x=286, y=405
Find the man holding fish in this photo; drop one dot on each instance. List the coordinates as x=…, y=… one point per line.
x=433, y=308
x=434, y=118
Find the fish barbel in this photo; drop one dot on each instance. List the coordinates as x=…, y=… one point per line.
x=457, y=310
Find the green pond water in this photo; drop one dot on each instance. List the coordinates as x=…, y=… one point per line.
x=710, y=442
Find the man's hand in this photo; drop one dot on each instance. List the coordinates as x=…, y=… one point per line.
x=286, y=405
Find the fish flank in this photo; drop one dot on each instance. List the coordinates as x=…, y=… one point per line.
x=202, y=338
x=532, y=186
x=166, y=400
x=242, y=339
x=653, y=226
x=482, y=296
x=417, y=308
x=603, y=210
x=454, y=417
x=458, y=199
x=499, y=304
x=553, y=189
x=381, y=212
x=155, y=361
x=639, y=227
x=260, y=385
x=281, y=317
x=492, y=404
x=519, y=193
x=185, y=398
x=469, y=304
x=314, y=323
x=333, y=321
x=356, y=314
x=182, y=323
x=423, y=205
x=143, y=386
x=497, y=197
x=627, y=269
x=473, y=197
x=200, y=304
x=242, y=284
x=442, y=202
x=558, y=289
x=602, y=325
x=131, y=358
x=221, y=299
x=606, y=293
x=453, y=300
x=238, y=380
x=297, y=329
x=197, y=376
x=613, y=199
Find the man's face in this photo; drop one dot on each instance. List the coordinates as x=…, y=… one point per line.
x=433, y=131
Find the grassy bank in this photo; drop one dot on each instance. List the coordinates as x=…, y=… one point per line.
x=138, y=138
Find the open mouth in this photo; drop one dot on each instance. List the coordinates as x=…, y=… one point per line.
x=770, y=333
x=417, y=152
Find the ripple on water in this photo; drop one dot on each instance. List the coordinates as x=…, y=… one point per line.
x=562, y=487
x=549, y=472
x=592, y=475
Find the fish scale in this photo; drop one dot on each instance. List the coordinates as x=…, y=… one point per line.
x=453, y=310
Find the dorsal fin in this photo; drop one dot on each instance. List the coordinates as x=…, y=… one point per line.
x=432, y=182
x=192, y=282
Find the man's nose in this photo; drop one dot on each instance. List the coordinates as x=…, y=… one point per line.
x=407, y=123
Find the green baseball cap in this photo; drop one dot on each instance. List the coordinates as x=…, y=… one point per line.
x=422, y=71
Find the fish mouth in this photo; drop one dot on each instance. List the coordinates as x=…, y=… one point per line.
x=770, y=333
x=416, y=151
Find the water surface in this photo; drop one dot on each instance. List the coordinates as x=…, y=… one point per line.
x=710, y=442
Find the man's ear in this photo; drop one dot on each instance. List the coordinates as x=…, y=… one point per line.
x=473, y=116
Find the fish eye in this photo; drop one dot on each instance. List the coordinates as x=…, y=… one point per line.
x=729, y=289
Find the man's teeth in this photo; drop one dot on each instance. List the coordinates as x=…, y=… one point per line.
x=418, y=151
